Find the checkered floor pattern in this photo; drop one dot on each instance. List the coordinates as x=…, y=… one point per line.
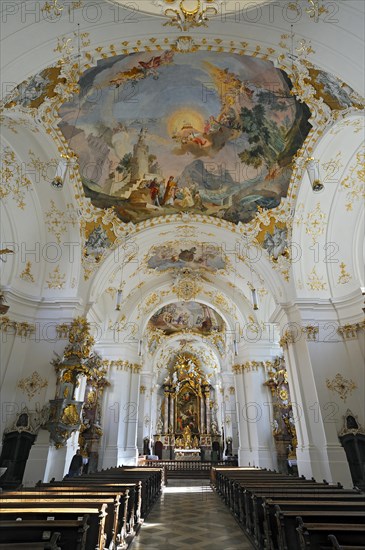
x=189, y=515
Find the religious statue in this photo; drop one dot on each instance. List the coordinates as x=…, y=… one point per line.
x=187, y=437
x=159, y=426
x=214, y=428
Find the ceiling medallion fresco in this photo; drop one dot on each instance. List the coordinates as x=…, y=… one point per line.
x=190, y=316
x=192, y=255
x=158, y=133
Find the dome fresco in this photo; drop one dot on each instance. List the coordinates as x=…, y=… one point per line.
x=161, y=132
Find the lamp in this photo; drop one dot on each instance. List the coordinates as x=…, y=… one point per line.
x=312, y=166
x=120, y=291
x=254, y=298
x=235, y=347
x=119, y=299
x=58, y=180
x=139, y=348
x=255, y=302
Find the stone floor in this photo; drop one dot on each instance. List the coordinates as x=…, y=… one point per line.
x=189, y=514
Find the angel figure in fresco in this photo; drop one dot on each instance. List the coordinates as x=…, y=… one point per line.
x=150, y=67
x=277, y=243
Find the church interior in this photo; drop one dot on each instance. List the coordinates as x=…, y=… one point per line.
x=182, y=296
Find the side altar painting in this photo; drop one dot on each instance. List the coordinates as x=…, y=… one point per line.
x=157, y=133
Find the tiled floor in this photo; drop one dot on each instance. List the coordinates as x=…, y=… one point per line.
x=190, y=515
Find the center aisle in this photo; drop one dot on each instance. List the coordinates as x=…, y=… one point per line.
x=189, y=514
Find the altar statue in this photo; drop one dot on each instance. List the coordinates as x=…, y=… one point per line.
x=187, y=437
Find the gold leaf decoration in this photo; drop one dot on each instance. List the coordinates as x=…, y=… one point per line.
x=341, y=386
x=32, y=385
x=344, y=276
x=56, y=279
x=14, y=183
x=26, y=274
x=354, y=183
x=315, y=281
x=57, y=220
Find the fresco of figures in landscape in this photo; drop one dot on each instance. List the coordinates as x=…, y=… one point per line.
x=192, y=316
x=161, y=132
x=192, y=255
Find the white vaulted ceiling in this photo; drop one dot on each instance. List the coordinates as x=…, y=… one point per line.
x=29, y=45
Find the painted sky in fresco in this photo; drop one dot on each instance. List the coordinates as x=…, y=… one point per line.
x=161, y=132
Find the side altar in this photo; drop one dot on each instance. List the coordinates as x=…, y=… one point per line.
x=187, y=428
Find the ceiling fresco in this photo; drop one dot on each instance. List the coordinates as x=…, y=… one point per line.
x=192, y=316
x=161, y=132
x=192, y=255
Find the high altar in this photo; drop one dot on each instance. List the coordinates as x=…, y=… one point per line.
x=186, y=428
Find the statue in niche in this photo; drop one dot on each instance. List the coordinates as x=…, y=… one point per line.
x=187, y=437
x=159, y=426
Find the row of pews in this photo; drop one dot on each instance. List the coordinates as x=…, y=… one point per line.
x=281, y=512
x=98, y=511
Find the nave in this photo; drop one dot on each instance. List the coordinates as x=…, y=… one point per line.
x=189, y=514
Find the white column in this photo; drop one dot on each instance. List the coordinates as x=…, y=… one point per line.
x=257, y=412
x=59, y=460
x=203, y=428
x=144, y=410
x=120, y=419
x=209, y=414
x=172, y=411
x=229, y=410
x=166, y=413
x=127, y=440
x=257, y=446
x=318, y=414
x=244, y=448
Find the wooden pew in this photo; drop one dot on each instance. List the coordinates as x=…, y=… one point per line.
x=287, y=522
x=115, y=523
x=133, y=490
x=129, y=514
x=271, y=526
x=249, y=497
x=337, y=546
x=151, y=483
x=95, y=516
x=314, y=536
x=268, y=504
x=245, y=492
x=136, y=505
x=262, y=514
x=50, y=544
